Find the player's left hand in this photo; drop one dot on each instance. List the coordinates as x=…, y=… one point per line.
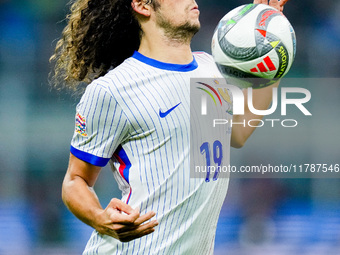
x=274, y=3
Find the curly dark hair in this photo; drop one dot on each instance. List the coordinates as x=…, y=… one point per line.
x=99, y=34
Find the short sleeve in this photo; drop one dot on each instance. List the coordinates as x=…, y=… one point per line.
x=100, y=126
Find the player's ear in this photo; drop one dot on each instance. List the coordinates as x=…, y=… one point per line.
x=141, y=7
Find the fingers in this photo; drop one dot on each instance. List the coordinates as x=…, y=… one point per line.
x=144, y=218
x=125, y=220
x=120, y=205
x=120, y=218
x=121, y=212
x=121, y=223
x=134, y=229
x=283, y=2
x=275, y=4
x=126, y=223
x=260, y=1
x=141, y=230
x=131, y=216
x=145, y=228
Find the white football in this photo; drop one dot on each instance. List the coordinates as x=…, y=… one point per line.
x=254, y=45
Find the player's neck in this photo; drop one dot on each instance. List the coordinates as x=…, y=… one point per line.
x=166, y=50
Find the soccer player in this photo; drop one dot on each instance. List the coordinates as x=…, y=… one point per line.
x=134, y=114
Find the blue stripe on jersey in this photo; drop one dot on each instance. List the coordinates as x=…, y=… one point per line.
x=125, y=163
x=89, y=158
x=171, y=117
x=134, y=87
x=166, y=66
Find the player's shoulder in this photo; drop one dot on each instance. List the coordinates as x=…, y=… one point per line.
x=100, y=84
x=114, y=79
x=97, y=91
x=203, y=57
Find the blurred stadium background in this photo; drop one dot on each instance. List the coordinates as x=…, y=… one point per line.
x=260, y=216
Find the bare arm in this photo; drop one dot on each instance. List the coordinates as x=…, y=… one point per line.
x=274, y=3
x=118, y=219
x=261, y=97
x=261, y=101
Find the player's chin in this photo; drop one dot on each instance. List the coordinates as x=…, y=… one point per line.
x=196, y=25
x=194, y=28
x=191, y=26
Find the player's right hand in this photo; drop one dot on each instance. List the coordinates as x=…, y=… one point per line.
x=273, y=3
x=122, y=222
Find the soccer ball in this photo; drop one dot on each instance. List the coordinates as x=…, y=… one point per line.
x=254, y=45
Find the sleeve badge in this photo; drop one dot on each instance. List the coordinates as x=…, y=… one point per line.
x=81, y=125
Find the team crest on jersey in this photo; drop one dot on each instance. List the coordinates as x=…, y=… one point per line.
x=81, y=125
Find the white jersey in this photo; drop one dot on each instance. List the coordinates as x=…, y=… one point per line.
x=137, y=117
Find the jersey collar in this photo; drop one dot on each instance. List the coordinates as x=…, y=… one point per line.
x=165, y=66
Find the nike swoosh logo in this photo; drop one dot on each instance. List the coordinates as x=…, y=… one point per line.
x=164, y=114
